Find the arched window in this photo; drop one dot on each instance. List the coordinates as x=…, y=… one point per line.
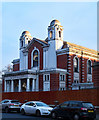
x=59, y=33
x=75, y=64
x=35, y=58
x=51, y=34
x=89, y=66
x=22, y=43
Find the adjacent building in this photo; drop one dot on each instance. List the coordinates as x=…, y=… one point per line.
x=50, y=64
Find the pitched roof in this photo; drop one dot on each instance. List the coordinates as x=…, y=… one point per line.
x=78, y=47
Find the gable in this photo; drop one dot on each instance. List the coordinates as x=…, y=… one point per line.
x=35, y=45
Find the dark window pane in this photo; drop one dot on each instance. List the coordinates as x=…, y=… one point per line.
x=47, y=77
x=88, y=105
x=89, y=67
x=75, y=64
x=64, y=105
x=59, y=33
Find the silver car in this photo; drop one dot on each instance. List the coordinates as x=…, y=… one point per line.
x=35, y=107
x=10, y=105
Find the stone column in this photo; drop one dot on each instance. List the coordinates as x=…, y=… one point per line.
x=19, y=85
x=28, y=85
x=12, y=86
x=5, y=86
x=33, y=84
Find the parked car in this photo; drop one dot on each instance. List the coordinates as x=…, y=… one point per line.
x=35, y=107
x=74, y=110
x=10, y=105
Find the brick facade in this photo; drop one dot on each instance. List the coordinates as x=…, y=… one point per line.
x=54, y=81
x=16, y=67
x=55, y=59
x=62, y=61
x=96, y=74
x=40, y=82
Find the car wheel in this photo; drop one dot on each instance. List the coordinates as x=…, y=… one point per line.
x=76, y=117
x=38, y=113
x=7, y=110
x=22, y=112
x=53, y=115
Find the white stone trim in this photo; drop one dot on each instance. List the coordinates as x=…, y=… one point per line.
x=69, y=76
x=33, y=85
x=61, y=54
x=5, y=86
x=56, y=70
x=69, y=64
x=12, y=86
x=69, y=67
x=19, y=85
x=28, y=85
x=85, y=56
x=69, y=80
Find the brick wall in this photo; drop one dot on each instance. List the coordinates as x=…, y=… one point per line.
x=16, y=67
x=49, y=97
x=54, y=81
x=96, y=74
x=62, y=61
x=40, y=82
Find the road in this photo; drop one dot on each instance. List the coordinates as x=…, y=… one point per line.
x=18, y=116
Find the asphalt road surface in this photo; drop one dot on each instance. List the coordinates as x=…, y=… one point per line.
x=18, y=116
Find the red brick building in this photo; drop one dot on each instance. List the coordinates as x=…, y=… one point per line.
x=51, y=64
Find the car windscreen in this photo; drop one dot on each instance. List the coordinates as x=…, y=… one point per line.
x=87, y=105
x=41, y=104
x=15, y=101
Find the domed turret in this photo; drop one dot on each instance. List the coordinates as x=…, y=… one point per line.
x=25, y=39
x=55, y=31
x=55, y=22
x=26, y=33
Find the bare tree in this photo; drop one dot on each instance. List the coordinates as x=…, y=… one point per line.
x=8, y=68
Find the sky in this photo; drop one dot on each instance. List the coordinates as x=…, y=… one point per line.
x=79, y=20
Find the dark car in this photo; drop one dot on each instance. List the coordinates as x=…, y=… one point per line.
x=10, y=105
x=74, y=110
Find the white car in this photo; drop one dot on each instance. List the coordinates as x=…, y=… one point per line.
x=35, y=107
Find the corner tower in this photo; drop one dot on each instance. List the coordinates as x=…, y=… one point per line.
x=55, y=33
x=25, y=39
x=55, y=41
